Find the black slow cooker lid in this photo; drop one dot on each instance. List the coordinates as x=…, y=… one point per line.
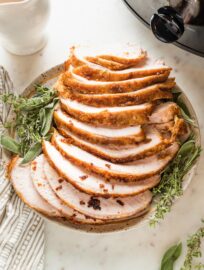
x=191, y=13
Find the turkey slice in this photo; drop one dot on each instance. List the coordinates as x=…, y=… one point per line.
x=164, y=113
x=91, y=183
x=148, y=94
x=108, y=116
x=120, y=154
x=81, y=85
x=44, y=189
x=121, y=62
x=94, y=206
x=137, y=170
x=91, y=72
x=98, y=135
x=20, y=176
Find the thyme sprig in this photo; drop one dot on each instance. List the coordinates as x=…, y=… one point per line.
x=33, y=121
x=194, y=251
x=170, y=186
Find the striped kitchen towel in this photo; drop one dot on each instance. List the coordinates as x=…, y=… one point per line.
x=21, y=229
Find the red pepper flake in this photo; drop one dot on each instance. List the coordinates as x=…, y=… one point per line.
x=108, y=166
x=120, y=202
x=82, y=202
x=83, y=177
x=101, y=185
x=58, y=188
x=95, y=203
x=60, y=180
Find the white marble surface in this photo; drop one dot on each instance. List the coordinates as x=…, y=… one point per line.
x=109, y=21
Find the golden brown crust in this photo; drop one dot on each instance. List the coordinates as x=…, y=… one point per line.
x=152, y=93
x=110, y=64
x=107, y=174
x=97, y=139
x=10, y=166
x=103, y=75
x=111, y=119
x=132, y=157
x=112, y=87
x=125, y=60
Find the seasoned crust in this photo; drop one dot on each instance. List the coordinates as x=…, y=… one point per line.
x=149, y=94
x=98, y=74
x=110, y=187
x=111, y=87
x=108, y=118
x=115, y=159
x=113, y=174
x=99, y=139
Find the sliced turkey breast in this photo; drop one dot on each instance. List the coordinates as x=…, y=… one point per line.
x=91, y=183
x=164, y=113
x=44, y=189
x=137, y=170
x=108, y=116
x=97, y=207
x=120, y=62
x=148, y=94
x=84, y=86
x=20, y=176
x=98, y=135
x=154, y=143
x=91, y=72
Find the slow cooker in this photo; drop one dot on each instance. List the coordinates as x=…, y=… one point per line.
x=173, y=21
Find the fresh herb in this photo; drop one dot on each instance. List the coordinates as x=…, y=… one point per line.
x=184, y=109
x=32, y=123
x=194, y=251
x=170, y=256
x=170, y=186
x=10, y=144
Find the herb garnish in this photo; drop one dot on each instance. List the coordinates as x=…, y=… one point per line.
x=193, y=251
x=32, y=123
x=170, y=256
x=170, y=186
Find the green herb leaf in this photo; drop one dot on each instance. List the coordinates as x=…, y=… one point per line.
x=32, y=153
x=47, y=122
x=170, y=186
x=10, y=144
x=170, y=256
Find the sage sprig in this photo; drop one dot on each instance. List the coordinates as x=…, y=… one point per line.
x=170, y=186
x=32, y=123
x=170, y=256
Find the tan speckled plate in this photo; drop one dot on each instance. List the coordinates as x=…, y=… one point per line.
x=48, y=78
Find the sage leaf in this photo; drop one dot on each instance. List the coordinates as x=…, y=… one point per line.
x=47, y=123
x=32, y=153
x=10, y=144
x=186, y=148
x=170, y=256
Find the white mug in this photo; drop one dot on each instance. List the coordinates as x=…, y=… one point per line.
x=22, y=25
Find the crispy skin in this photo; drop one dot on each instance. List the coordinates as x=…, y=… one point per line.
x=98, y=74
x=125, y=60
x=98, y=139
x=102, y=187
x=102, y=153
x=10, y=166
x=123, y=118
x=149, y=94
x=111, y=87
x=109, y=173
